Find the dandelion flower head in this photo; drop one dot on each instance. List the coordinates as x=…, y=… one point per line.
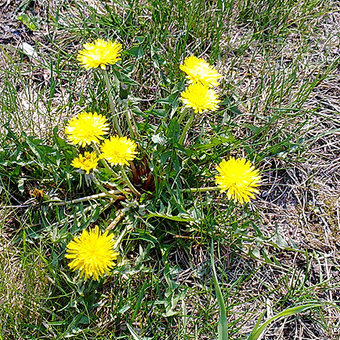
x=92, y=253
x=198, y=70
x=86, y=128
x=118, y=150
x=239, y=178
x=86, y=162
x=200, y=98
x=100, y=53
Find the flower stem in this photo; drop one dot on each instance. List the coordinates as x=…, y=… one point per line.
x=128, y=182
x=200, y=189
x=125, y=107
x=131, y=126
x=186, y=128
x=100, y=187
x=111, y=102
x=104, y=162
x=121, y=236
x=120, y=214
x=109, y=169
x=84, y=199
x=181, y=117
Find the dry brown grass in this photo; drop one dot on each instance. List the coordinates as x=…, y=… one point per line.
x=23, y=286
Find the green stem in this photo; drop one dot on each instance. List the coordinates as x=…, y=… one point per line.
x=120, y=214
x=100, y=187
x=121, y=236
x=186, y=128
x=130, y=122
x=109, y=169
x=128, y=182
x=132, y=129
x=111, y=102
x=104, y=162
x=200, y=189
x=110, y=193
x=183, y=114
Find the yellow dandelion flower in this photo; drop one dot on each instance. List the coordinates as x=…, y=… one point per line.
x=118, y=150
x=100, y=53
x=92, y=253
x=87, y=162
x=198, y=70
x=200, y=98
x=86, y=128
x=239, y=178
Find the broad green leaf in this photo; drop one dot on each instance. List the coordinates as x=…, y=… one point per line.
x=136, y=51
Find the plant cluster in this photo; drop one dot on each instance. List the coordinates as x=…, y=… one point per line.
x=91, y=253
x=110, y=219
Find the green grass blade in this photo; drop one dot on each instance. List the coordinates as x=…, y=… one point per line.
x=222, y=327
x=133, y=333
x=257, y=331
